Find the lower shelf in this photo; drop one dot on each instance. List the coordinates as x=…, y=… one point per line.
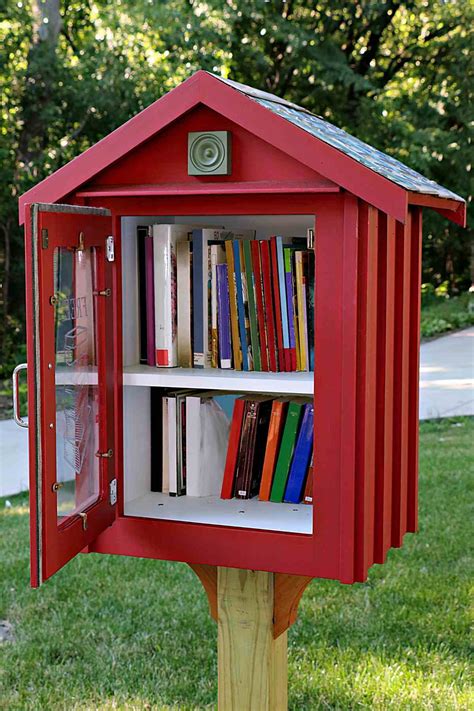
x=252, y=513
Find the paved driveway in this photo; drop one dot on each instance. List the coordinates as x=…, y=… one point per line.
x=446, y=389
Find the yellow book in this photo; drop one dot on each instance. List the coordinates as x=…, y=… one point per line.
x=234, y=324
x=300, y=307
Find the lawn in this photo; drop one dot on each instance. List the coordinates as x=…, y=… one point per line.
x=116, y=633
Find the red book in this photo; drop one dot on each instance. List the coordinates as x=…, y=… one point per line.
x=232, y=449
x=269, y=308
x=276, y=301
x=257, y=271
x=308, y=489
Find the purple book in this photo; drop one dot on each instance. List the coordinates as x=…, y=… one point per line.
x=223, y=316
x=150, y=300
x=287, y=252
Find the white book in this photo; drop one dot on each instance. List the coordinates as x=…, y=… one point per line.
x=207, y=437
x=165, y=238
x=183, y=261
x=172, y=462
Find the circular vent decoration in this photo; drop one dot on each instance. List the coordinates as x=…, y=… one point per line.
x=209, y=153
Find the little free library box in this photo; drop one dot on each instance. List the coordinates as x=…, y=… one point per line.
x=223, y=307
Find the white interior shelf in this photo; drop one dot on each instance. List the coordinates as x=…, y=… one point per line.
x=217, y=379
x=240, y=513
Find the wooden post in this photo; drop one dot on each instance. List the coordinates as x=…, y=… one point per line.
x=252, y=665
x=253, y=610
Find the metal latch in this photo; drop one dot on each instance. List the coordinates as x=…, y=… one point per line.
x=105, y=455
x=103, y=292
x=84, y=521
x=113, y=492
x=110, y=248
x=57, y=485
x=80, y=247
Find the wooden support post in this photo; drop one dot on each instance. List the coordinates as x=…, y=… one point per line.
x=253, y=610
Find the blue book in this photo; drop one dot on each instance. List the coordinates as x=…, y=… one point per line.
x=223, y=316
x=240, y=304
x=200, y=316
x=300, y=462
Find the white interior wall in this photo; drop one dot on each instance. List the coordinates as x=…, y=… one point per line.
x=136, y=442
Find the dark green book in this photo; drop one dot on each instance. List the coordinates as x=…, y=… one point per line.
x=287, y=446
x=257, y=364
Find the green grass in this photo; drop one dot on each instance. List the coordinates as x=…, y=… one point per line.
x=116, y=633
x=440, y=315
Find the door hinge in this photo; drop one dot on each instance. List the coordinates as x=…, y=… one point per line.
x=110, y=248
x=113, y=492
x=84, y=521
x=105, y=455
x=103, y=292
x=80, y=247
x=44, y=238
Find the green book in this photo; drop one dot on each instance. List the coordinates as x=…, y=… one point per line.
x=257, y=364
x=286, y=450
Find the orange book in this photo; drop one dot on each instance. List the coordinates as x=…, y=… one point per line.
x=277, y=420
x=308, y=489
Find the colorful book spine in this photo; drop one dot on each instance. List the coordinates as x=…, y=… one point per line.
x=200, y=306
x=252, y=305
x=227, y=490
x=277, y=421
x=150, y=299
x=276, y=301
x=310, y=306
x=234, y=322
x=290, y=305
x=286, y=451
x=260, y=305
x=245, y=295
x=283, y=303
x=269, y=309
x=301, y=457
x=223, y=317
x=240, y=305
x=308, y=487
x=217, y=253
x=183, y=270
x=301, y=311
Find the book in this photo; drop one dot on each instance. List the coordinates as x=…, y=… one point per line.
x=286, y=449
x=156, y=442
x=276, y=301
x=269, y=307
x=246, y=364
x=227, y=490
x=250, y=460
x=259, y=301
x=252, y=306
x=141, y=236
x=301, y=457
x=287, y=251
x=277, y=422
x=181, y=459
x=171, y=472
x=217, y=257
x=308, y=487
x=207, y=438
x=184, y=274
x=283, y=303
x=309, y=269
x=165, y=478
x=301, y=311
x=150, y=298
x=223, y=317
x=234, y=323
x=165, y=238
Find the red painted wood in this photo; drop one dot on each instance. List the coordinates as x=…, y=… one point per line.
x=384, y=413
x=414, y=370
x=454, y=210
x=401, y=382
x=202, y=88
x=366, y=390
x=118, y=360
x=348, y=388
x=60, y=544
x=242, y=187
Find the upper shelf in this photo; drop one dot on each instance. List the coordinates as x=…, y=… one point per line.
x=216, y=379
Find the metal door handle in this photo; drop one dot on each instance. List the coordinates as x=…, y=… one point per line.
x=16, y=396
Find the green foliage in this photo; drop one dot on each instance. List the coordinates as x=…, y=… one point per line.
x=394, y=73
x=111, y=632
x=441, y=313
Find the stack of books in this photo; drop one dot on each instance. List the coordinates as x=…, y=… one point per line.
x=270, y=452
x=214, y=298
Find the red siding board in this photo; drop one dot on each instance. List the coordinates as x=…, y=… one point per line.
x=401, y=382
x=366, y=390
x=414, y=370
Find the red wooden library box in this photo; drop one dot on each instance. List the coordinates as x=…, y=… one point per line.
x=290, y=171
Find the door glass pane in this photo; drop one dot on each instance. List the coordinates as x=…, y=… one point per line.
x=76, y=373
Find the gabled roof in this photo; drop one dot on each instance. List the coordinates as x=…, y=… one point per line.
x=357, y=167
